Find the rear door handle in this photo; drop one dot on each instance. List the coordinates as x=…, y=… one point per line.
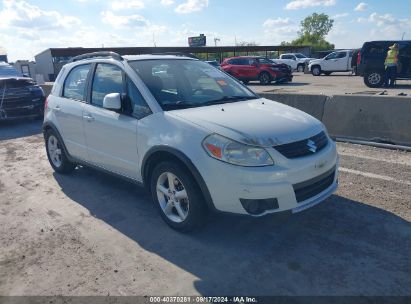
x=88, y=117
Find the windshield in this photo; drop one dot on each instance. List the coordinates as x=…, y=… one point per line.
x=300, y=55
x=8, y=71
x=179, y=83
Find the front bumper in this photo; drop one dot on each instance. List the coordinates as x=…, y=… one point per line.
x=228, y=184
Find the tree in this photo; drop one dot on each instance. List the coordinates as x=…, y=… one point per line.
x=314, y=28
x=316, y=25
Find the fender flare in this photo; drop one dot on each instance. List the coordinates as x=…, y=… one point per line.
x=50, y=125
x=186, y=161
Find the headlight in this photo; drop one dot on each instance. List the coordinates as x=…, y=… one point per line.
x=236, y=153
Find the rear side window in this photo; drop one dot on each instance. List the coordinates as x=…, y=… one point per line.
x=107, y=79
x=243, y=61
x=75, y=84
x=342, y=55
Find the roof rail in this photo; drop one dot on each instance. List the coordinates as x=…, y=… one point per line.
x=178, y=54
x=96, y=55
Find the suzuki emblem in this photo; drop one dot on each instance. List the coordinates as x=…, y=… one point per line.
x=311, y=145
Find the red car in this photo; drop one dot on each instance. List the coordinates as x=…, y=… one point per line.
x=248, y=68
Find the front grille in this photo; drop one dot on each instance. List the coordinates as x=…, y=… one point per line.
x=312, y=187
x=304, y=147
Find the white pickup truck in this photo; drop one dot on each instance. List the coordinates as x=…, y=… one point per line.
x=296, y=61
x=339, y=61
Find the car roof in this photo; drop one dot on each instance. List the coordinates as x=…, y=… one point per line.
x=155, y=57
x=245, y=57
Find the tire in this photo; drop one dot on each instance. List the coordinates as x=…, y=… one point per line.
x=264, y=78
x=300, y=68
x=327, y=73
x=184, y=214
x=374, y=79
x=316, y=70
x=56, y=154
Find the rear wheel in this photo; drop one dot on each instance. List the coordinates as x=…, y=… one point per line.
x=264, y=78
x=316, y=71
x=374, y=79
x=178, y=197
x=56, y=154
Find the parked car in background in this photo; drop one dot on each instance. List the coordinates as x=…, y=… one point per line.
x=20, y=97
x=214, y=63
x=339, y=61
x=296, y=60
x=196, y=138
x=291, y=63
x=249, y=68
x=370, y=61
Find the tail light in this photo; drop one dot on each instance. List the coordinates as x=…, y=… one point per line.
x=46, y=104
x=358, y=58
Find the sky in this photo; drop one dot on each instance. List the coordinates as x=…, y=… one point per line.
x=28, y=27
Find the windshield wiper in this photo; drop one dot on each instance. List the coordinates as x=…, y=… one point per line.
x=228, y=99
x=178, y=105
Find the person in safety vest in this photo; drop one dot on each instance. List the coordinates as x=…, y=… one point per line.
x=391, y=64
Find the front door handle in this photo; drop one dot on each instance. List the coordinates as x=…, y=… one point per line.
x=88, y=117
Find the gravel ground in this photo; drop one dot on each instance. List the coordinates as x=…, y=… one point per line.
x=91, y=234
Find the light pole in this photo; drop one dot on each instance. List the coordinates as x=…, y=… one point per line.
x=215, y=40
x=403, y=34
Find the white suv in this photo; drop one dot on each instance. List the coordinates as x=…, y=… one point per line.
x=197, y=138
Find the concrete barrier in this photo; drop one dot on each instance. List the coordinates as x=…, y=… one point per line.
x=47, y=88
x=371, y=118
x=311, y=104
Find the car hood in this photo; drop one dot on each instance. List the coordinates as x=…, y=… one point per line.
x=259, y=122
x=315, y=61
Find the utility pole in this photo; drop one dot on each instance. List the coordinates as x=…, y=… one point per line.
x=403, y=34
x=154, y=41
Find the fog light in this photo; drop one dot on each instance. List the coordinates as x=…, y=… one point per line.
x=259, y=206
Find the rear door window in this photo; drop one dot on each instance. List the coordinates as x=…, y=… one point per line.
x=76, y=83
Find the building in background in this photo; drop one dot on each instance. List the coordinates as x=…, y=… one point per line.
x=27, y=68
x=50, y=61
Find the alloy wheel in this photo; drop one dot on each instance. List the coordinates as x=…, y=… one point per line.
x=54, y=149
x=374, y=78
x=172, y=197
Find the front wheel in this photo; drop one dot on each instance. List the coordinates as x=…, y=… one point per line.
x=316, y=71
x=178, y=197
x=374, y=79
x=264, y=78
x=56, y=154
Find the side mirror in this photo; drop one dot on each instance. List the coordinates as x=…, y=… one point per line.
x=112, y=101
